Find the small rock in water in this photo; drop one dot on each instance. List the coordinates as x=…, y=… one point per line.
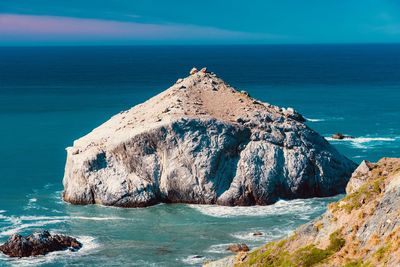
x=39, y=243
x=238, y=248
x=193, y=71
x=340, y=136
x=197, y=257
x=257, y=233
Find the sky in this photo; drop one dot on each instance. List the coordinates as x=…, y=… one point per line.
x=152, y=22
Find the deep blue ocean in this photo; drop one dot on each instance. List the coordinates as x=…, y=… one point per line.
x=50, y=96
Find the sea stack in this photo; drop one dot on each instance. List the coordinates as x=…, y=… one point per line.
x=202, y=141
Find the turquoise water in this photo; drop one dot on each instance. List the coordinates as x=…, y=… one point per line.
x=51, y=96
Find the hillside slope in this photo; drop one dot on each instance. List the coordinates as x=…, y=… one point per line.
x=362, y=229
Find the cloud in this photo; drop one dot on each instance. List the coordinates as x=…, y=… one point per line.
x=14, y=27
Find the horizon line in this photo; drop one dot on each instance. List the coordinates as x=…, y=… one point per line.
x=189, y=44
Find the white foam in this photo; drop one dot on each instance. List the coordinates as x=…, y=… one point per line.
x=301, y=207
x=364, y=142
x=194, y=260
x=324, y=119
x=98, y=218
x=267, y=235
x=218, y=248
x=16, y=229
x=73, y=217
x=25, y=222
x=314, y=120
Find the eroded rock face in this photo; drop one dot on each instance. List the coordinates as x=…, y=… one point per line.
x=362, y=229
x=359, y=176
x=202, y=141
x=38, y=244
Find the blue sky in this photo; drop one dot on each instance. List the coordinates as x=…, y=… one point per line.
x=35, y=22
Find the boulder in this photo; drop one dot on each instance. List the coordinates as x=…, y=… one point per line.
x=193, y=71
x=359, y=176
x=39, y=243
x=235, y=248
x=211, y=147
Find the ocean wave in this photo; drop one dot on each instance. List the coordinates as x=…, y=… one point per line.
x=303, y=208
x=32, y=204
x=18, y=224
x=218, y=248
x=8, y=231
x=194, y=260
x=73, y=217
x=314, y=120
x=89, y=245
x=324, y=119
x=267, y=235
x=364, y=142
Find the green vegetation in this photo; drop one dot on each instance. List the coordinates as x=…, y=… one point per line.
x=336, y=241
x=382, y=252
x=363, y=195
x=357, y=263
x=274, y=254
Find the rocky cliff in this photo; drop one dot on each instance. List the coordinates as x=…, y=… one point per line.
x=361, y=230
x=202, y=141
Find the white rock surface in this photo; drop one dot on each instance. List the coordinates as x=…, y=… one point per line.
x=202, y=141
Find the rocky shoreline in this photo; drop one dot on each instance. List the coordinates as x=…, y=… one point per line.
x=360, y=230
x=203, y=142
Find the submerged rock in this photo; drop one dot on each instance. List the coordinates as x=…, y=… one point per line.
x=211, y=147
x=39, y=243
x=257, y=233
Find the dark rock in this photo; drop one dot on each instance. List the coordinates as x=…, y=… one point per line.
x=39, y=243
x=340, y=136
x=258, y=233
x=238, y=248
x=293, y=114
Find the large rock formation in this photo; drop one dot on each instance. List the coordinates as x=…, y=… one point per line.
x=202, y=141
x=39, y=243
x=361, y=230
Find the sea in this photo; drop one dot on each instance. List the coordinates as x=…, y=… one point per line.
x=50, y=96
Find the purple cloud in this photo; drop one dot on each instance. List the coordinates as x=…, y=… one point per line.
x=49, y=28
